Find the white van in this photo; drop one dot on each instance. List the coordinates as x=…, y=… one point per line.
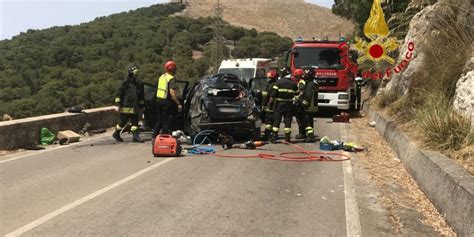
x=246, y=68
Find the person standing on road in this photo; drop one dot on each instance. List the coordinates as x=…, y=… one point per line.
x=166, y=99
x=129, y=99
x=308, y=101
x=299, y=109
x=359, y=83
x=283, y=93
x=267, y=107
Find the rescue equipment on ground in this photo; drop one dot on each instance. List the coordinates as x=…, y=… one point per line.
x=166, y=146
x=341, y=118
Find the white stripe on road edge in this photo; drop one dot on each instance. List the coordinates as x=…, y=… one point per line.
x=352, y=211
x=89, y=197
x=55, y=148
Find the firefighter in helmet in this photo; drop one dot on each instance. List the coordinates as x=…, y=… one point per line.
x=283, y=93
x=308, y=105
x=129, y=99
x=268, y=108
x=166, y=99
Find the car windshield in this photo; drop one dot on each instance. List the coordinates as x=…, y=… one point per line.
x=241, y=73
x=328, y=58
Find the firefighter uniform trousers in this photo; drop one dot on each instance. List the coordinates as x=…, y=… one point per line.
x=164, y=105
x=268, y=119
x=124, y=117
x=283, y=92
x=310, y=106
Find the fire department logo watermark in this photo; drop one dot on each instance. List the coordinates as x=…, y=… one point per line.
x=378, y=47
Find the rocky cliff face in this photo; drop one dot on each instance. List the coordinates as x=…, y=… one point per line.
x=435, y=33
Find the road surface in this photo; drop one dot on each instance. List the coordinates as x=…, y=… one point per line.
x=102, y=188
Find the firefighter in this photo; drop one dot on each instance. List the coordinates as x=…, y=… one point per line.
x=268, y=108
x=308, y=101
x=299, y=110
x=283, y=93
x=129, y=99
x=166, y=99
x=359, y=83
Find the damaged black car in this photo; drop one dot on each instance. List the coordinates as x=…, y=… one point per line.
x=223, y=103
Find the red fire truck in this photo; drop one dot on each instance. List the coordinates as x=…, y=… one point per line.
x=336, y=82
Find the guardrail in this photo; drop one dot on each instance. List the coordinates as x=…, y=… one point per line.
x=24, y=133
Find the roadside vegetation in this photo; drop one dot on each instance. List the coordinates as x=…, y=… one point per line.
x=47, y=71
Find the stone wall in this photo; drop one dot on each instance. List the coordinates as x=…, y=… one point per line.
x=24, y=133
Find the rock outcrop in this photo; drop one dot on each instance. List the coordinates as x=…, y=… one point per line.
x=464, y=97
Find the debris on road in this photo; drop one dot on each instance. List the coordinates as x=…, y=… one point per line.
x=68, y=136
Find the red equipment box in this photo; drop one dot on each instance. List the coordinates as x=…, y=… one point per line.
x=166, y=146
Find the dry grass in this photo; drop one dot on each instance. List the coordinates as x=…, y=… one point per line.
x=385, y=99
x=442, y=126
x=291, y=18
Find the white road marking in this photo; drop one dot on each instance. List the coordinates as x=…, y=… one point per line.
x=81, y=201
x=352, y=211
x=33, y=153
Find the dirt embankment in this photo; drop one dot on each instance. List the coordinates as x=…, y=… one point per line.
x=291, y=18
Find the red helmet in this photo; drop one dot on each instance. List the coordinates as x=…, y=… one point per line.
x=272, y=74
x=170, y=66
x=298, y=73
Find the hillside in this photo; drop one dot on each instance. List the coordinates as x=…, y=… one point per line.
x=291, y=18
x=47, y=71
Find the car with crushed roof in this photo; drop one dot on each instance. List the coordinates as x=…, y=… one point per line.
x=224, y=103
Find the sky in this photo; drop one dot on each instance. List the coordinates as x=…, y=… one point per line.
x=20, y=15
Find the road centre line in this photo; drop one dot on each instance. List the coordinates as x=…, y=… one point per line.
x=97, y=137
x=83, y=200
x=353, y=226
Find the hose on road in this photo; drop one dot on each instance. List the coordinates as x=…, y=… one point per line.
x=299, y=155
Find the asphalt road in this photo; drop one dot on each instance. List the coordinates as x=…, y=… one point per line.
x=102, y=188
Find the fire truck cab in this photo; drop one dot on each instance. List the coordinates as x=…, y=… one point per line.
x=334, y=79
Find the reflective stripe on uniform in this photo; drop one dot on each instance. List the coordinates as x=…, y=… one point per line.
x=134, y=128
x=305, y=102
x=117, y=100
x=118, y=127
x=268, y=110
x=162, y=91
x=264, y=93
x=268, y=126
x=286, y=90
x=127, y=110
x=276, y=87
x=141, y=102
x=275, y=129
x=279, y=99
x=287, y=130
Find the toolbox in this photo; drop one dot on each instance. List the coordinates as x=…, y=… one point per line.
x=166, y=145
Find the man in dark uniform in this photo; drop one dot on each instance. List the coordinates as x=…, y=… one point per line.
x=166, y=99
x=283, y=93
x=308, y=100
x=359, y=83
x=130, y=98
x=268, y=108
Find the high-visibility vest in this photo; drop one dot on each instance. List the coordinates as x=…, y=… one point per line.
x=162, y=91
